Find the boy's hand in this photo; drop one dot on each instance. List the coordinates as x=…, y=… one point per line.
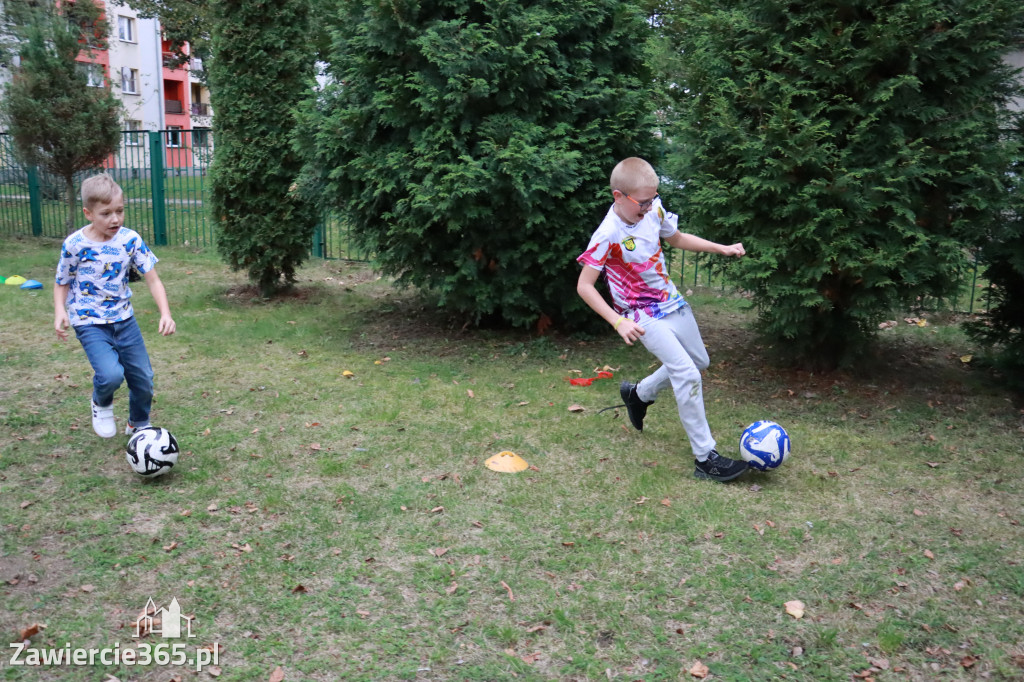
x=630, y=331
x=167, y=325
x=61, y=324
x=733, y=250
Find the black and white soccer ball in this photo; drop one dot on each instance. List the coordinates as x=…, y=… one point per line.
x=152, y=451
x=764, y=445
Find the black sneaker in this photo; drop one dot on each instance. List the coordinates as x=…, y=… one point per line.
x=636, y=408
x=718, y=468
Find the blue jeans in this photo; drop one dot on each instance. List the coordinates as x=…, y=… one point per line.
x=117, y=353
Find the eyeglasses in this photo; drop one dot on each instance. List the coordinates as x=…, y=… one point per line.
x=643, y=206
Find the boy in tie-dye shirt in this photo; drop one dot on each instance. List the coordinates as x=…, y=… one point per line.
x=647, y=307
x=92, y=296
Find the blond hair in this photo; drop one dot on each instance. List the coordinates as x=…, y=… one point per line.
x=632, y=174
x=98, y=189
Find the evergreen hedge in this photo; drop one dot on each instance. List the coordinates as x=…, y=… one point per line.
x=854, y=147
x=261, y=71
x=469, y=143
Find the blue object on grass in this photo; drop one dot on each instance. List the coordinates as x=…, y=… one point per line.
x=31, y=284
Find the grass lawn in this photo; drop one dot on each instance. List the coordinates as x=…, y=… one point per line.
x=347, y=529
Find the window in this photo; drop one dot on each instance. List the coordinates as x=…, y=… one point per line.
x=93, y=74
x=173, y=136
x=129, y=80
x=133, y=138
x=126, y=29
x=201, y=137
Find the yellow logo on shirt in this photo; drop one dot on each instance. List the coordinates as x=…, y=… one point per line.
x=629, y=243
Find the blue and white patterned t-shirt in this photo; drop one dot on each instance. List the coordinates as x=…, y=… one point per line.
x=97, y=273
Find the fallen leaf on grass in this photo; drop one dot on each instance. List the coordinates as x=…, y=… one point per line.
x=171, y=547
x=666, y=502
x=439, y=551
x=511, y=597
x=795, y=608
x=277, y=675
x=451, y=589
x=470, y=394
x=348, y=374
x=530, y=659
x=87, y=588
x=928, y=553
x=299, y=589
x=27, y=503
x=576, y=408
x=30, y=631
x=699, y=670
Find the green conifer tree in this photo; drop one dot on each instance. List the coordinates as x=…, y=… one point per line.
x=262, y=67
x=468, y=143
x=56, y=120
x=854, y=147
x=1003, y=257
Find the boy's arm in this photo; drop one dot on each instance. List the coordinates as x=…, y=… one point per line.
x=627, y=329
x=156, y=288
x=61, y=322
x=691, y=242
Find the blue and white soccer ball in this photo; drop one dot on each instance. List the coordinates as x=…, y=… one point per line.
x=764, y=445
x=152, y=451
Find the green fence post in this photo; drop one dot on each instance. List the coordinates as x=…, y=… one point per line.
x=156, y=181
x=35, y=201
x=318, y=239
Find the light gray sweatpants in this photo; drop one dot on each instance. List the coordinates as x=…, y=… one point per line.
x=676, y=342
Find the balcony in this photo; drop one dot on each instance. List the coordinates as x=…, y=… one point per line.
x=173, y=106
x=200, y=109
x=172, y=61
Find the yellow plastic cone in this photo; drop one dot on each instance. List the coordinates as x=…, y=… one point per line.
x=16, y=280
x=506, y=462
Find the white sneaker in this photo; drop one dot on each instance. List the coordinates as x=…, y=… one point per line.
x=103, y=420
x=130, y=430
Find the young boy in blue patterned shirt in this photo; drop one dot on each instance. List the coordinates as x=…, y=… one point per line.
x=92, y=296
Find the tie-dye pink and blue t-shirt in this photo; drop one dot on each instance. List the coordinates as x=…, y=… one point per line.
x=634, y=265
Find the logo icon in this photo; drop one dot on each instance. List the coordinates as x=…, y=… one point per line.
x=165, y=622
x=629, y=243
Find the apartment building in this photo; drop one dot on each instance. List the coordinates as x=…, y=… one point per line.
x=156, y=94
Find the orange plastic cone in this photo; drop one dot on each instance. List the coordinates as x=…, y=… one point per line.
x=506, y=462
